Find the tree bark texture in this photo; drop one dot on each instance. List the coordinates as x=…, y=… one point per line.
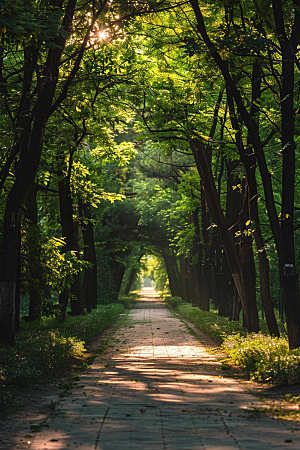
x=206, y=291
x=70, y=232
x=131, y=277
x=182, y=265
x=66, y=217
x=173, y=274
x=233, y=208
x=289, y=281
x=196, y=258
x=89, y=254
x=34, y=244
x=130, y=280
x=246, y=256
x=119, y=277
x=216, y=213
x=249, y=161
x=289, y=278
x=25, y=175
x=77, y=300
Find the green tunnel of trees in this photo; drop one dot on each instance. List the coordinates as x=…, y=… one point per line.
x=163, y=128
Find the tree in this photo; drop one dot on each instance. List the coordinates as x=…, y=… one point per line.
x=49, y=66
x=282, y=232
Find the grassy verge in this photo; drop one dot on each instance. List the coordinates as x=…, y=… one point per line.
x=263, y=358
x=128, y=300
x=46, y=349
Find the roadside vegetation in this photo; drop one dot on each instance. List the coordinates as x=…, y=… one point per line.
x=264, y=358
x=49, y=348
x=154, y=139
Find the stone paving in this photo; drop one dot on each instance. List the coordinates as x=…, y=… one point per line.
x=159, y=389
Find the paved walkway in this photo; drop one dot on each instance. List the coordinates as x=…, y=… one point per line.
x=158, y=389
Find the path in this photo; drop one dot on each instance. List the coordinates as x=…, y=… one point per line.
x=158, y=389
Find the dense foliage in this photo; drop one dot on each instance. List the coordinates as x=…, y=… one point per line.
x=265, y=358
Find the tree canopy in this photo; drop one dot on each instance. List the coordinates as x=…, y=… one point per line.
x=153, y=139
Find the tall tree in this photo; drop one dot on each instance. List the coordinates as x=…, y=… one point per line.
x=49, y=66
x=283, y=238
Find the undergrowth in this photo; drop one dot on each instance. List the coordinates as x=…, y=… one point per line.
x=211, y=323
x=45, y=349
x=263, y=358
x=128, y=300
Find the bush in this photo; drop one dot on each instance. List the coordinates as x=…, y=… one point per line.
x=46, y=349
x=174, y=302
x=127, y=301
x=216, y=326
x=37, y=358
x=265, y=358
x=134, y=294
x=164, y=294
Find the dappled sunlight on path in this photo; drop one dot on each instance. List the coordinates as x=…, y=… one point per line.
x=157, y=388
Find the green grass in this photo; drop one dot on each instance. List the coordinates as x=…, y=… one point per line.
x=45, y=349
x=211, y=323
x=215, y=326
x=263, y=358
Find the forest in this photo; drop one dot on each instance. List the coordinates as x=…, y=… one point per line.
x=150, y=139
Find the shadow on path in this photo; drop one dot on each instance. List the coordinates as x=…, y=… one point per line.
x=157, y=388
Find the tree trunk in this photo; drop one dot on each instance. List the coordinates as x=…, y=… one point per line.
x=119, y=277
x=247, y=259
x=217, y=216
x=66, y=217
x=227, y=289
x=26, y=172
x=176, y=274
x=70, y=233
x=77, y=301
x=183, y=277
x=233, y=208
x=187, y=278
x=131, y=277
x=249, y=162
x=289, y=280
x=130, y=280
x=18, y=301
x=235, y=308
x=215, y=258
x=288, y=276
x=205, y=292
x=9, y=275
x=33, y=243
x=89, y=254
x=197, y=263
x=173, y=283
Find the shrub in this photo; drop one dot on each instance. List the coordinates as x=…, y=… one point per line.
x=36, y=358
x=174, y=302
x=163, y=294
x=265, y=358
x=134, y=294
x=46, y=349
x=127, y=301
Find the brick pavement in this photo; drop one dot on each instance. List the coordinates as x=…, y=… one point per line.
x=158, y=389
